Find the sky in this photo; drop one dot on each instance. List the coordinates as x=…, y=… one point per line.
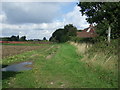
x=36, y=20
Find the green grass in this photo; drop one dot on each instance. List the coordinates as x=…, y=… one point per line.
x=63, y=70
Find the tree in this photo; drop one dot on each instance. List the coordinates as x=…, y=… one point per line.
x=70, y=29
x=5, y=39
x=57, y=35
x=63, y=35
x=101, y=13
x=23, y=38
x=17, y=38
x=13, y=38
x=44, y=38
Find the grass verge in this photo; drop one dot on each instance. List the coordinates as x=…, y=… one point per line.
x=64, y=70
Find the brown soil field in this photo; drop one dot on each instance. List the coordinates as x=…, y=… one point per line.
x=10, y=50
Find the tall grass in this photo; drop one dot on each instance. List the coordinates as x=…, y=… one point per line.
x=101, y=53
x=104, y=54
x=81, y=47
x=101, y=57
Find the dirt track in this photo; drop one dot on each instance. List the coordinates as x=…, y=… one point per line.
x=10, y=50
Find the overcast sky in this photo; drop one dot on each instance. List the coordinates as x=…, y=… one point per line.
x=36, y=20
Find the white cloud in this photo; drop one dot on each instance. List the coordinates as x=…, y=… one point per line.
x=76, y=18
x=31, y=30
x=2, y=17
x=39, y=0
x=34, y=30
x=20, y=13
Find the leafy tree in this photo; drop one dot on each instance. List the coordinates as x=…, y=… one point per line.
x=52, y=39
x=44, y=38
x=17, y=38
x=23, y=38
x=99, y=11
x=13, y=38
x=70, y=30
x=102, y=13
x=58, y=34
x=63, y=35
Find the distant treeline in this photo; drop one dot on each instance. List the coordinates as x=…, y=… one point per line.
x=17, y=38
x=13, y=38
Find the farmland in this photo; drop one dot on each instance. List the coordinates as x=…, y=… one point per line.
x=59, y=45
x=54, y=66
x=10, y=50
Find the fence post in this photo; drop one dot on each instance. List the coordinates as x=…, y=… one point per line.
x=109, y=33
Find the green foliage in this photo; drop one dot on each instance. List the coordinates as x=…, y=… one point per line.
x=106, y=48
x=14, y=38
x=104, y=14
x=84, y=40
x=63, y=35
x=70, y=30
x=99, y=11
x=5, y=39
x=58, y=36
x=23, y=38
x=44, y=38
x=102, y=29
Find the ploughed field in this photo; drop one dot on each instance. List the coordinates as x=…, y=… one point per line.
x=10, y=50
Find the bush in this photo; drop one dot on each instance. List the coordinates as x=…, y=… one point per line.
x=83, y=40
x=105, y=47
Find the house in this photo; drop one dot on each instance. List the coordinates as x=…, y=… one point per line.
x=87, y=32
x=36, y=40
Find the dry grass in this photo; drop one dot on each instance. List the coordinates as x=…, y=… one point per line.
x=108, y=62
x=99, y=59
x=81, y=47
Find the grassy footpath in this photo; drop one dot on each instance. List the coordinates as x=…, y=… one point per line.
x=62, y=69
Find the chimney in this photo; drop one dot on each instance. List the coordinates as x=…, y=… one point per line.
x=90, y=27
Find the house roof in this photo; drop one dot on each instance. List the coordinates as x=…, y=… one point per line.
x=87, y=32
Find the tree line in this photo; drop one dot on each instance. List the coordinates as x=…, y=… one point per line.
x=14, y=38
x=17, y=38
